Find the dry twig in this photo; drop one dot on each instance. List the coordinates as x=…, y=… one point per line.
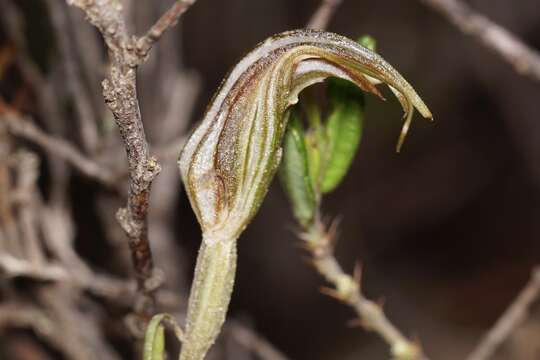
x=26, y=166
x=119, y=90
x=14, y=267
x=253, y=342
x=22, y=127
x=324, y=13
x=520, y=56
x=74, y=82
x=510, y=319
x=168, y=20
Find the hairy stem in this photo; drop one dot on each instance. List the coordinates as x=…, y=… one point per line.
x=209, y=297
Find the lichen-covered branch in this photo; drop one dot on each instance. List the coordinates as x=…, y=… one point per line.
x=119, y=91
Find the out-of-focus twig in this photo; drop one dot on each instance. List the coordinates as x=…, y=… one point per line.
x=14, y=28
x=81, y=99
x=88, y=52
x=524, y=59
x=9, y=236
x=319, y=242
x=55, y=325
x=24, y=315
x=14, y=267
x=510, y=319
x=253, y=342
x=22, y=127
x=76, y=342
x=26, y=166
x=246, y=337
x=114, y=290
x=324, y=13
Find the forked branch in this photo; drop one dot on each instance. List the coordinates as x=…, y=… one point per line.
x=167, y=20
x=119, y=91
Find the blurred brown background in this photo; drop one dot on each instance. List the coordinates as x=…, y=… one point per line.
x=447, y=231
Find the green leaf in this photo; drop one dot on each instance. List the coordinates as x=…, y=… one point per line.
x=315, y=140
x=294, y=171
x=154, y=339
x=368, y=42
x=343, y=130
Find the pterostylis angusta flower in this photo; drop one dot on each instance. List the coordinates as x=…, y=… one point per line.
x=231, y=158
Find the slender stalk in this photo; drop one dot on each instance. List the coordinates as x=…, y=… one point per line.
x=323, y=14
x=512, y=50
x=209, y=297
x=509, y=320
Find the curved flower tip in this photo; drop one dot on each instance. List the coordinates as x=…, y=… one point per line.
x=422, y=108
x=229, y=161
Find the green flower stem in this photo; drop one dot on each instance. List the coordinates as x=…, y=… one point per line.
x=346, y=288
x=210, y=296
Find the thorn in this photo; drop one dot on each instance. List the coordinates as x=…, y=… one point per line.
x=332, y=232
x=309, y=261
x=302, y=246
x=294, y=228
x=380, y=302
x=359, y=323
x=302, y=235
x=320, y=251
x=416, y=341
x=331, y=292
x=355, y=323
x=357, y=274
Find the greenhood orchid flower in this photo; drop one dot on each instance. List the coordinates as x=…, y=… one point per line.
x=231, y=158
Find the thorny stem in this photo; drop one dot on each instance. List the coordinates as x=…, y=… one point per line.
x=509, y=320
x=320, y=242
x=347, y=289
